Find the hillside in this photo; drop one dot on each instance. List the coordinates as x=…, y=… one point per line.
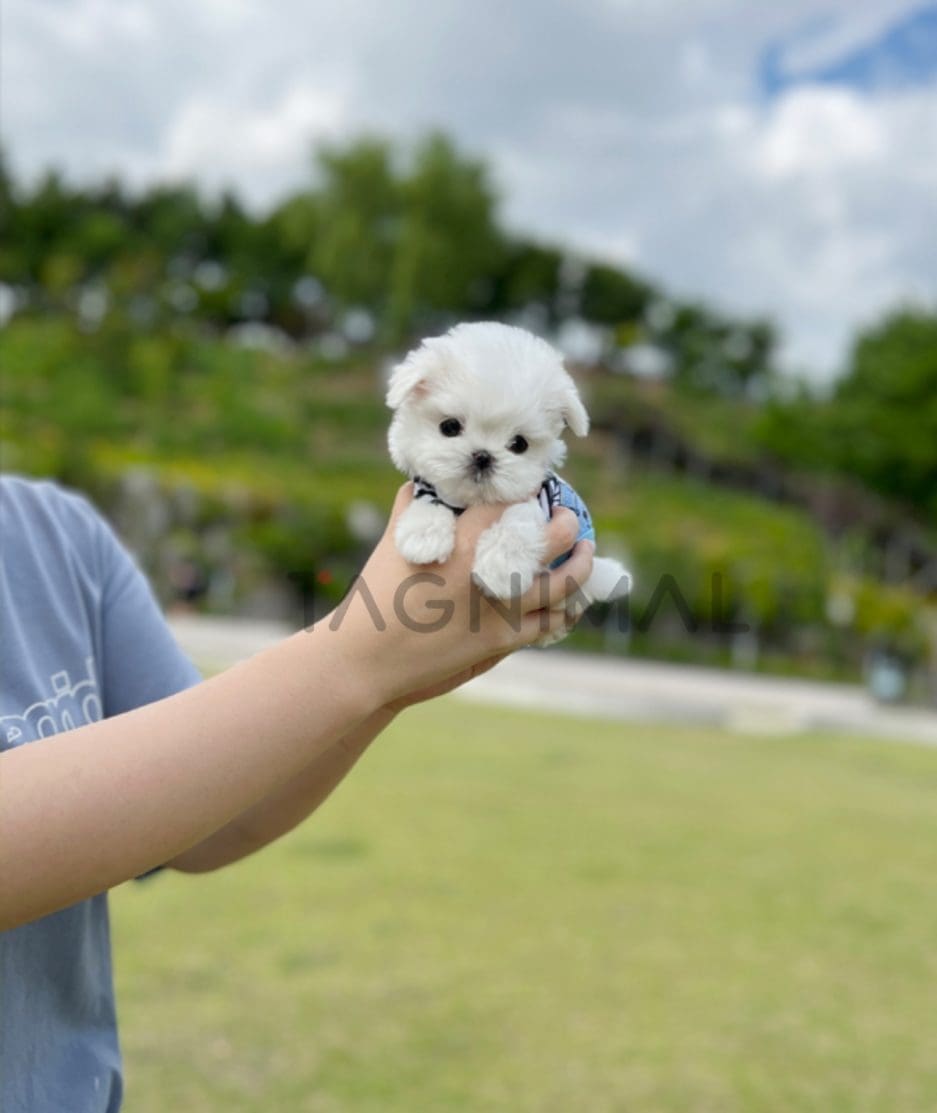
x=232, y=472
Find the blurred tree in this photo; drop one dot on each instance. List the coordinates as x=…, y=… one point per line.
x=354, y=217
x=7, y=209
x=880, y=425
x=411, y=235
x=448, y=240
x=528, y=275
x=712, y=354
x=611, y=296
x=172, y=219
x=410, y=239
x=100, y=236
x=36, y=226
x=883, y=417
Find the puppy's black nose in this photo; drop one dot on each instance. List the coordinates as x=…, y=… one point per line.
x=482, y=460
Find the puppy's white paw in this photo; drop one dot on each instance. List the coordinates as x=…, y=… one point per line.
x=552, y=638
x=425, y=534
x=510, y=553
x=502, y=575
x=609, y=581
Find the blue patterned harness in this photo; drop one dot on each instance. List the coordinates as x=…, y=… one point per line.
x=554, y=492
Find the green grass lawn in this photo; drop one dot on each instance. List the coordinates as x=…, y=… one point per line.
x=508, y=912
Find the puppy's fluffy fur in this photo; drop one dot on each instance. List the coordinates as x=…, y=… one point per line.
x=479, y=414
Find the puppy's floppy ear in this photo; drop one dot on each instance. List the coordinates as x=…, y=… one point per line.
x=572, y=410
x=412, y=375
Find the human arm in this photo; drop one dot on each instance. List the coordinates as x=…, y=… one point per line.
x=287, y=807
x=84, y=810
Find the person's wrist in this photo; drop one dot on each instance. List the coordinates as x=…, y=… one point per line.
x=337, y=666
x=366, y=665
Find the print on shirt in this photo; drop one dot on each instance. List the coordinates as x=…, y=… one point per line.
x=72, y=704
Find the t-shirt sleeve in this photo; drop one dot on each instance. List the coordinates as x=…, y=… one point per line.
x=140, y=659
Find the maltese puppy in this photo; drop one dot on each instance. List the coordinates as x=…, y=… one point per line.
x=478, y=418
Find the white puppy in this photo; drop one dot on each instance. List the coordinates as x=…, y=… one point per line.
x=478, y=418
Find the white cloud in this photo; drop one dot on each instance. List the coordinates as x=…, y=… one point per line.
x=223, y=143
x=817, y=130
x=631, y=128
x=840, y=218
x=102, y=26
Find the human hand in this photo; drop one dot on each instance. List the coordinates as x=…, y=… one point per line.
x=419, y=631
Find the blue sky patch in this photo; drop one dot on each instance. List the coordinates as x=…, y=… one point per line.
x=899, y=54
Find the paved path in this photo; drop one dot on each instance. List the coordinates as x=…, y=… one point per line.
x=629, y=690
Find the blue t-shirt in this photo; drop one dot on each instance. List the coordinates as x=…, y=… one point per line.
x=81, y=638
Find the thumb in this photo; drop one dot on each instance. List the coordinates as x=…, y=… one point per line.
x=402, y=500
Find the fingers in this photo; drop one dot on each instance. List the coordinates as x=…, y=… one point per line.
x=552, y=588
x=402, y=500
x=538, y=624
x=480, y=517
x=472, y=524
x=562, y=531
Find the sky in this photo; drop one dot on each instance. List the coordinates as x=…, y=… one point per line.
x=775, y=159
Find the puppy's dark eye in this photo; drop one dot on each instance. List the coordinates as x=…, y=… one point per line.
x=451, y=427
x=518, y=445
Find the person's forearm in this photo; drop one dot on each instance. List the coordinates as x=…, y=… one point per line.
x=285, y=809
x=85, y=810
x=287, y=806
